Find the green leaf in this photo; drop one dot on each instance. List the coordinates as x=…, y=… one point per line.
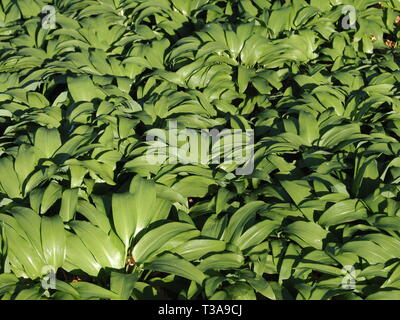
x=388, y=294
x=8, y=178
x=24, y=254
x=158, y=237
x=82, y=89
x=144, y=192
x=240, y=291
x=108, y=253
x=197, y=248
x=69, y=202
x=53, y=241
x=95, y=216
x=309, y=130
x=239, y=219
x=172, y=264
x=223, y=197
x=368, y=250
x=256, y=234
x=123, y=284
x=342, y=212
x=244, y=76
x=298, y=190
x=90, y=291
x=47, y=141
x=124, y=216
x=221, y=261
x=62, y=286
x=308, y=233
x=31, y=224
x=52, y=193
x=34, y=293
x=8, y=282
x=291, y=255
x=193, y=186
x=78, y=256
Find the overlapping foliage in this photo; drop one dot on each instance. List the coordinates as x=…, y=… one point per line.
x=77, y=194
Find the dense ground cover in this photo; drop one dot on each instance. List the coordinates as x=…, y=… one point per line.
x=85, y=215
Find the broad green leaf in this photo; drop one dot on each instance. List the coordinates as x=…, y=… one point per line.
x=52, y=193
x=106, y=252
x=298, y=190
x=67, y=288
x=308, y=233
x=388, y=294
x=78, y=256
x=197, y=248
x=122, y=284
x=24, y=253
x=221, y=261
x=95, y=216
x=342, y=212
x=172, y=264
x=47, y=141
x=239, y=219
x=8, y=282
x=240, y=291
x=144, y=202
x=31, y=224
x=124, y=216
x=90, y=291
x=53, y=241
x=8, y=178
x=69, y=202
x=256, y=234
x=193, y=186
x=34, y=293
x=309, y=130
x=82, y=89
x=222, y=198
x=157, y=237
x=367, y=250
